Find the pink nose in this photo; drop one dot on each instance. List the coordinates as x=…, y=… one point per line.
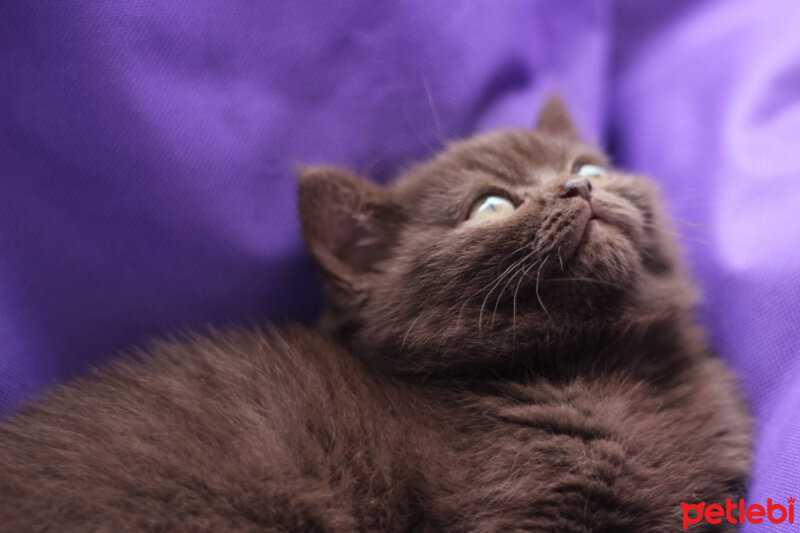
x=577, y=187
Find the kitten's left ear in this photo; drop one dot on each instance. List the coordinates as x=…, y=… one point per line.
x=349, y=224
x=554, y=119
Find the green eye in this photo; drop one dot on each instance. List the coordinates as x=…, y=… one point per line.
x=491, y=208
x=592, y=171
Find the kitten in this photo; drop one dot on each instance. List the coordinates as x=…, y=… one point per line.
x=507, y=345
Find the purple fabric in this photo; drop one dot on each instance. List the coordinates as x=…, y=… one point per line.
x=706, y=96
x=146, y=155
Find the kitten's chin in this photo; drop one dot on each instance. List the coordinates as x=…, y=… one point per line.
x=602, y=273
x=607, y=252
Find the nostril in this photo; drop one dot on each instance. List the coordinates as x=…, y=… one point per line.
x=577, y=187
x=568, y=191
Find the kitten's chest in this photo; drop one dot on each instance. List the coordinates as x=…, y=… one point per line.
x=546, y=435
x=562, y=454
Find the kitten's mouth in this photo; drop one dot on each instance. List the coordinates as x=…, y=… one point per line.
x=591, y=219
x=599, y=213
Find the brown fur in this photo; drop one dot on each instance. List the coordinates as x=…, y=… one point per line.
x=519, y=374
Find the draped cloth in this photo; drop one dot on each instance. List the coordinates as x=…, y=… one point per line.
x=147, y=155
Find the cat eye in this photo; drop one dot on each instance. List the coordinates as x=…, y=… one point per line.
x=592, y=171
x=491, y=207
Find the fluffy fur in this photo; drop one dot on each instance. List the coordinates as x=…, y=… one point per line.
x=539, y=373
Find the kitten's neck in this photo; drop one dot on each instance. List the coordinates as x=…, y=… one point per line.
x=651, y=334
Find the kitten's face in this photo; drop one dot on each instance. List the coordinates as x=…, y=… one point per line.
x=507, y=245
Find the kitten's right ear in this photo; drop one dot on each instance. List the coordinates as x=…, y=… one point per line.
x=349, y=224
x=554, y=119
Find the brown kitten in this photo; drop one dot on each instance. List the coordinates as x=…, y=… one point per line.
x=507, y=345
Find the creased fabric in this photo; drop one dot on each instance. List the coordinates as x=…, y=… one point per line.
x=147, y=156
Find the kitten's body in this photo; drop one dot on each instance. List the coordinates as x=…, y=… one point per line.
x=266, y=431
x=569, y=411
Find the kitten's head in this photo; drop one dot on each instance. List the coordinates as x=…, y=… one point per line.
x=510, y=246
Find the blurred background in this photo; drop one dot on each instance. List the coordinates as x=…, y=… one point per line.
x=147, y=148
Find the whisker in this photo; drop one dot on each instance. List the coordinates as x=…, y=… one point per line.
x=585, y=280
x=497, y=301
x=494, y=285
x=495, y=280
x=436, y=122
x=514, y=301
x=403, y=344
x=489, y=293
x=688, y=223
x=500, y=294
x=538, y=274
x=684, y=237
x=425, y=144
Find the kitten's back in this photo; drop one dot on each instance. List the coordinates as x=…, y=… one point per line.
x=237, y=431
